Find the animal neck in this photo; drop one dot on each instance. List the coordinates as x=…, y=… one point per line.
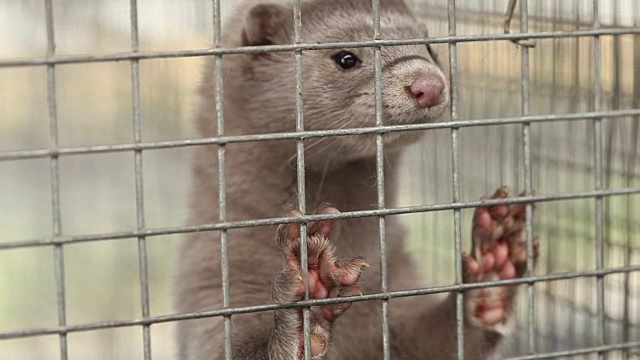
x=262, y=180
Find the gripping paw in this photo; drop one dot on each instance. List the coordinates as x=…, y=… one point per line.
x=328, y=277
x=499, y=252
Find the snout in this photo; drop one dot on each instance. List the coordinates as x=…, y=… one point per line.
x=426, y=90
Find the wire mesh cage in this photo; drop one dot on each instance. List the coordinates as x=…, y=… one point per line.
x=97, y=102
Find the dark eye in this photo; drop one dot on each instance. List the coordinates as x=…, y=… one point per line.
x=346, y=60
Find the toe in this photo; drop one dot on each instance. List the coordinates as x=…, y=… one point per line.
x=483, y=220
x=470, y=265
x=508, y=271
x=346, y=272
x=488, y=262
x=492, y=315
x=500, y=252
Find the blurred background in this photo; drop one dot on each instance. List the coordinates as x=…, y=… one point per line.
x=97, y=191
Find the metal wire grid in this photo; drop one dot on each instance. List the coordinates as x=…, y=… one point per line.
x=58, y=240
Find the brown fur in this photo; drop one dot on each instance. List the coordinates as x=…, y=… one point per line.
x=259, y=97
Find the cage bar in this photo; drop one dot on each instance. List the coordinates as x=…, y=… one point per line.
x=377, y=35
x=222, y=182
x=632, y=165
x=58, y=250
x=139, y=182
x=74, y=59
x=306, y=218
x=598, y=178
x=455, y=159
x=528, y=177
x=302, y=202
x=228, y=139
x=367, y=297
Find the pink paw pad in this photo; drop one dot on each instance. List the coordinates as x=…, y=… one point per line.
x=499, y=252
x=327, y=276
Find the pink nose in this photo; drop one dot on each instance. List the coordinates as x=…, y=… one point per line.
x=426, y=90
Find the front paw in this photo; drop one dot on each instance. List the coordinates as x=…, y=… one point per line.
x=327, y=277
x=499, y=252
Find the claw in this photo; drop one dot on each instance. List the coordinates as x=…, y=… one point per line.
x=318, y=346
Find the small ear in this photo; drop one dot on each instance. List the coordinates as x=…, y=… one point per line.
x=262, y=24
